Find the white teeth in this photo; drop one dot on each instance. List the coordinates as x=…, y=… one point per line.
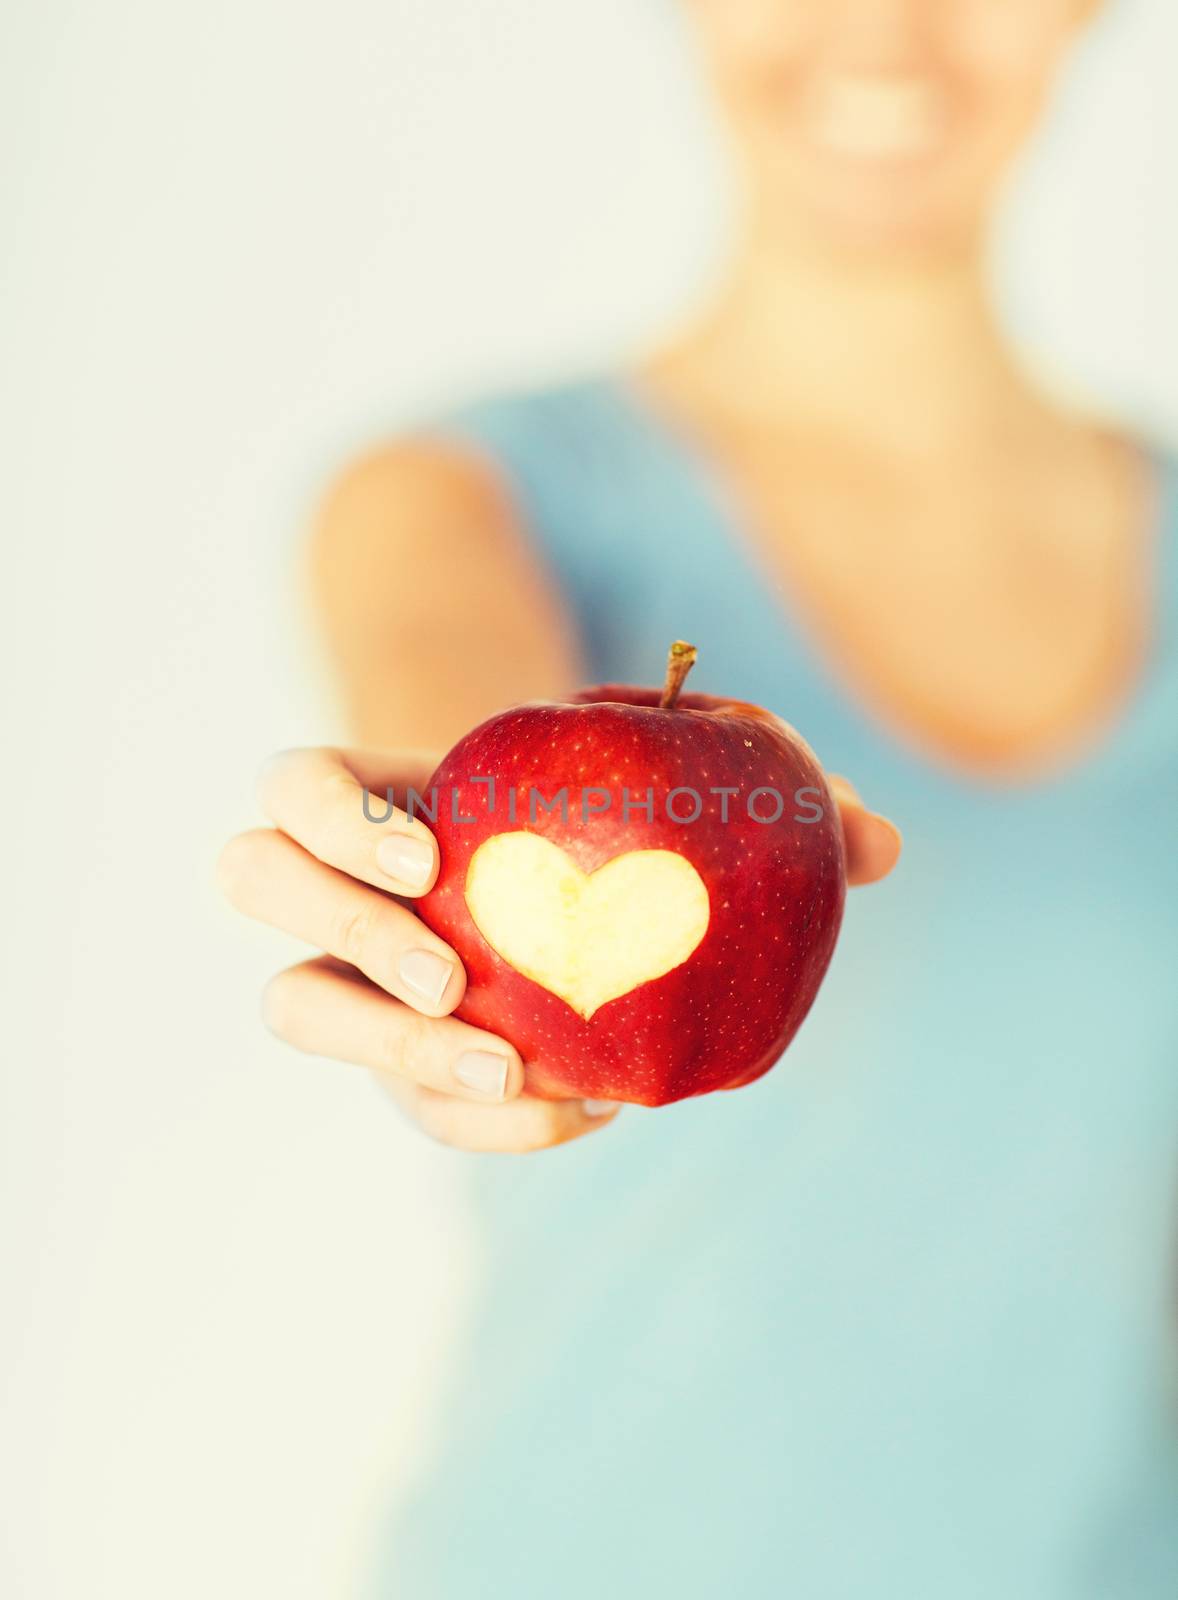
x=876, y=116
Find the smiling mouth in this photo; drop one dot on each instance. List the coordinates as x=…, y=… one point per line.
x=875, y=118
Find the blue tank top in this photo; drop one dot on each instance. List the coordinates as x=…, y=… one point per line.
x=896, y=1322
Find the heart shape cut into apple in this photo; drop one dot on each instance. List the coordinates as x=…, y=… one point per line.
x=686, y=961
x=587, y=937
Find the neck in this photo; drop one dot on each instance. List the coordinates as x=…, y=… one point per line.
x=902, y=352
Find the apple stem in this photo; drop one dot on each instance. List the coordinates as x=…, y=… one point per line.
x=680, y=660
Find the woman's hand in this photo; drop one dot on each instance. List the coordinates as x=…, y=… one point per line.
x=872, y=842
x=383, y=993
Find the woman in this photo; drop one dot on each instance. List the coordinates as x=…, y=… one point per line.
x=893, y=1321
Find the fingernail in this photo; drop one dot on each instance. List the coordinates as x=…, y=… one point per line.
x=410, y=861
x=426, y=974
x=886, y=822
x=483, y=1072
x=598, y=1108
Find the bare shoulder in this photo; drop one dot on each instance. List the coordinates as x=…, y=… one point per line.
x=416, y=497
x=425, y=579
x=421, y=529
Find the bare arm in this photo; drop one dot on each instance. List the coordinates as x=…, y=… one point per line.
x=435, y=611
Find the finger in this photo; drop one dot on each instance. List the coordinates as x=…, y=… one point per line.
x=525, y=1125
x=872, y=843
x=328, y=1010
x=336, y=804
x=271, y=878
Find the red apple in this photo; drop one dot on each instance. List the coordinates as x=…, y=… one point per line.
x=645, y=889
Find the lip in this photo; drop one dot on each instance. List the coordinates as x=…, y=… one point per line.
x=875, y=118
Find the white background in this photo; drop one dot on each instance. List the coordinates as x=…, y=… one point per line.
x=239, y=238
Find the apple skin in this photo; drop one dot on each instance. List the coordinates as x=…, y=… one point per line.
x=723, y=1017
